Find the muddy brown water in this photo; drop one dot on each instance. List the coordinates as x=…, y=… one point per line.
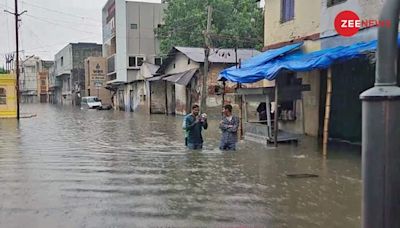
x=85, y=168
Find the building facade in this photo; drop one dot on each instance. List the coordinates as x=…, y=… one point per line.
x=181, y=78
x=70, y=72
x=8, y=96
x=129, y=41
x=290, y=21
x=28, y=82
x=43, y=81
x=95, y=79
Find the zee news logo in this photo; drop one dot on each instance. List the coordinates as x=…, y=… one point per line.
x=348, y=23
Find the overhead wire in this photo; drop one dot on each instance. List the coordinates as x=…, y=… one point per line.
x=54, y=23
x=59, y=12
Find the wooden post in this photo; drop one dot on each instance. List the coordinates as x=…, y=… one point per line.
x=268, y=113
x=204, y=92
x=327, y=112
x=166, y=97
x=223, y=94
x=303, y=114
x=276, y=115
x=246, y=110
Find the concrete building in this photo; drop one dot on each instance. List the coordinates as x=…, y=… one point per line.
x=69, y=70
x=289, y=21
x=8, y=96
x=95, y=79
x=43, y=80
x=128, y=42
x=139, y=89
x=28, y=82
x=33, y=79
x=54, y=86
x=180, y=82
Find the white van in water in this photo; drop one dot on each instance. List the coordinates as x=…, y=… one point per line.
x=91, y=102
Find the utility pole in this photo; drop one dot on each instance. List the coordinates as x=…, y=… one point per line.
x=381, y=132
x=206, y=55
x=17, y=15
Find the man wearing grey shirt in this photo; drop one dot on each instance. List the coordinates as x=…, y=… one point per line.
x=229, y=126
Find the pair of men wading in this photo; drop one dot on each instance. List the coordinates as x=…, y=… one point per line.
x=193, y=124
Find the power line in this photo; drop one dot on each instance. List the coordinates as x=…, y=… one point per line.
x=50, y=22
x=63, y=21
x=60, y=12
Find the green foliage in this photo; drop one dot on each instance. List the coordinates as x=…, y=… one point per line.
x=2, y=71
x=235, y=23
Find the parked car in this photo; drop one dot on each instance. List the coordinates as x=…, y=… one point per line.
x=92, y=102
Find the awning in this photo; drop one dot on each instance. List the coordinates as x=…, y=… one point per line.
x=181, y=78
x=156, y=78
x=235, y=75
x=300, y=62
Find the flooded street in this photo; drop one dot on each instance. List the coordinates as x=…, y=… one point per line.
x=84, y=168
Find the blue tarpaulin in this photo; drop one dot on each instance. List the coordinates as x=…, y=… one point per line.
x=299, y=62
x=258, y=60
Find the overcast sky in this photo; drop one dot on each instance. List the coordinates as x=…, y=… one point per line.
x=49, y=25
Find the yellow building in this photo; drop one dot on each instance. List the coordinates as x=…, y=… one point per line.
x=287, y=22
x=8, y=98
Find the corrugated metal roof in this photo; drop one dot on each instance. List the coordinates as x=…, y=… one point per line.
x=152, y=68
x=181, y=78
x=155, y=78
x=217, y=55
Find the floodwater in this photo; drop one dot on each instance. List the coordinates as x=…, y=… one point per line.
x=85, y=168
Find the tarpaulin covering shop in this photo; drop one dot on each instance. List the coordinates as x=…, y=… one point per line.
x=295, y=61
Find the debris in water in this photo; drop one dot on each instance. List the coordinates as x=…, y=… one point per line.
x=302, y=175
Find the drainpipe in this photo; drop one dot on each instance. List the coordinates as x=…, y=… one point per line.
x=381, y=131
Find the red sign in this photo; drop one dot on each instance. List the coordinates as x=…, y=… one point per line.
x=348, y=23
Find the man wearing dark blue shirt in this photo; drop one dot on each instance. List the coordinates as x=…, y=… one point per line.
x=194, y=125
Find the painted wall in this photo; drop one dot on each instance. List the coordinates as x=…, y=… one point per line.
x=95, y=74
x=365, y=9
x=181, y=100
x=8, y=110
x=306, y=21
x=64, y=66
x=181, y=64
x=129, y=40
x=147, y=17
x=157, y=103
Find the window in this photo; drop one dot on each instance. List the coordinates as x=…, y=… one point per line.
x=134, y=26
x=158, y=61
x=174, y=66
x=287, y=10
x=132, y=61
x=334, y=2
x=62, y=61
x=136, y=61
x=43, y=82
x=3, y=96
x=188, y=61
x=139, y=61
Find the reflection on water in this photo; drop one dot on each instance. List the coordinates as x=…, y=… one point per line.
x=86, y=168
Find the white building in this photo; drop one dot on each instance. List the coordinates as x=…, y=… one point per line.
x=128, y=41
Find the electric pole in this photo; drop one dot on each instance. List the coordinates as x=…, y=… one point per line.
x=380, y=130
x=17, y=15
x=206, y=55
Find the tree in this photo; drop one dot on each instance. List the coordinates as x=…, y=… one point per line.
x=2, y=70
x=235, y=23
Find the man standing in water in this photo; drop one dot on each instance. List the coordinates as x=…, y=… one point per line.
x=194, y=124
x=229, y=127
